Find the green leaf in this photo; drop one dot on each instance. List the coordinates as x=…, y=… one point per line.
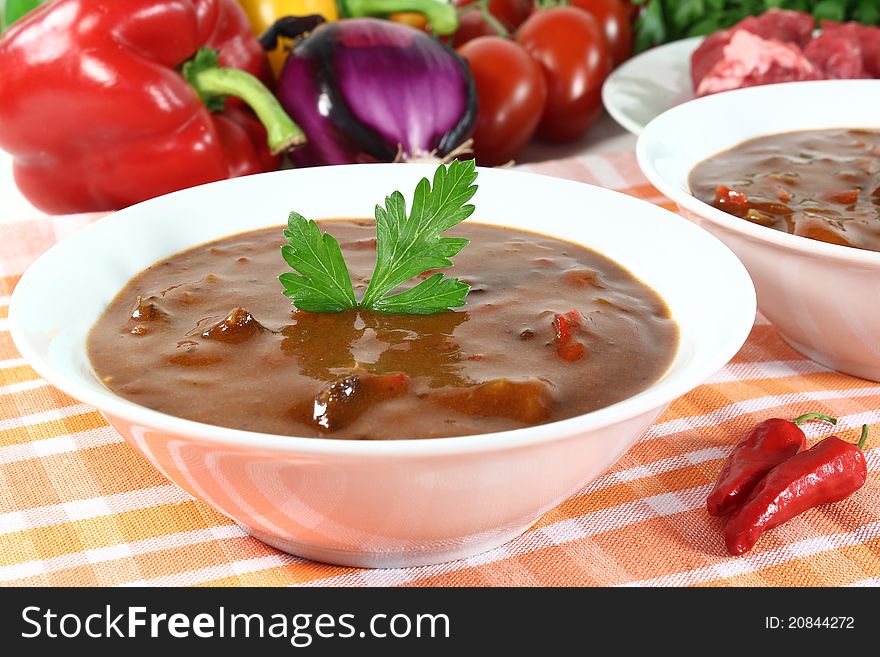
x=323, y=283
x=668, y=20
x=867, y=12
x=706, y=26
x=687, y=11
x=831, y=10
x=407, y=246
x=432, y=295
x=651, y=26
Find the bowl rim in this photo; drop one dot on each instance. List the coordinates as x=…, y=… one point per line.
x=655, y=397
x=654, y=132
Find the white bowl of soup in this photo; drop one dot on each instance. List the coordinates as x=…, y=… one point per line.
x=787, y=176
x=379, y=440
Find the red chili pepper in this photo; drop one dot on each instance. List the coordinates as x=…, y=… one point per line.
x=827, y=472
x=566, y=346
x=97, y=114
x=726, y=196
x=765, y=447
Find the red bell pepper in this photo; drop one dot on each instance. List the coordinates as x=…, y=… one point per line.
x=104, y=103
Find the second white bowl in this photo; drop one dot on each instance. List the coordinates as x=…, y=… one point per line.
x=822, y=297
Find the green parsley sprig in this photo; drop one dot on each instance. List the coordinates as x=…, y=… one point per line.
x=407, y=245
x=669, y=20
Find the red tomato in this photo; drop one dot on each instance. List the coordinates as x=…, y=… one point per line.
x=472, y=24
x=613, y=18
x=633, y=11
x=572, y=50
x=510, y=97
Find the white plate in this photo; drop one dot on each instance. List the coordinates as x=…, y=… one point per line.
x=649, y=84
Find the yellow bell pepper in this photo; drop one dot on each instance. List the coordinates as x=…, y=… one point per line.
x=411, y=18
x=439, y=16
x=263, y=13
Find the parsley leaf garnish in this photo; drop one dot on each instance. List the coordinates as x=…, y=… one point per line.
x=430, y=296
x=409, y=246
x=323, y=283
x=406, y=246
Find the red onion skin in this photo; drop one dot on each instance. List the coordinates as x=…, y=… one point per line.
x=368, y=90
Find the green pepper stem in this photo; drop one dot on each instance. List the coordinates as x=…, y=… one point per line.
x=550, y=4
x=864, y=439
x=213, y=83
x=441, y=15
x=813, y=416
x=12, y=10
x=482, y=6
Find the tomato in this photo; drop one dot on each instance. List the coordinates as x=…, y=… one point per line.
x=472, y=24
x=613, y=18
x=510, y=97
x=633, y=11
x=572, y=50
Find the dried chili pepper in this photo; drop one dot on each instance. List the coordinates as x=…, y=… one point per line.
x=765, y=447
x=827, y=472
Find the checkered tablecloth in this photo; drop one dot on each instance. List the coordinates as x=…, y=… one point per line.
x=78, y=506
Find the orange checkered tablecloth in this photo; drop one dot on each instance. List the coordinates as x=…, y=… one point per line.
x=78, y=506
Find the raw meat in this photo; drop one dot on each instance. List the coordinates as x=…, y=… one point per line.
x=778, y=46
x=780, y=25
x=709, y=53
x=867, y=38
x=748, y=60
x=835, y=57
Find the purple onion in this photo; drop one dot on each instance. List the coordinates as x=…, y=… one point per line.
x=368, y=90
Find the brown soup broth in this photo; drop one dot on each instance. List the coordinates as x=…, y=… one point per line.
x=206, y=335
x=820, y=184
